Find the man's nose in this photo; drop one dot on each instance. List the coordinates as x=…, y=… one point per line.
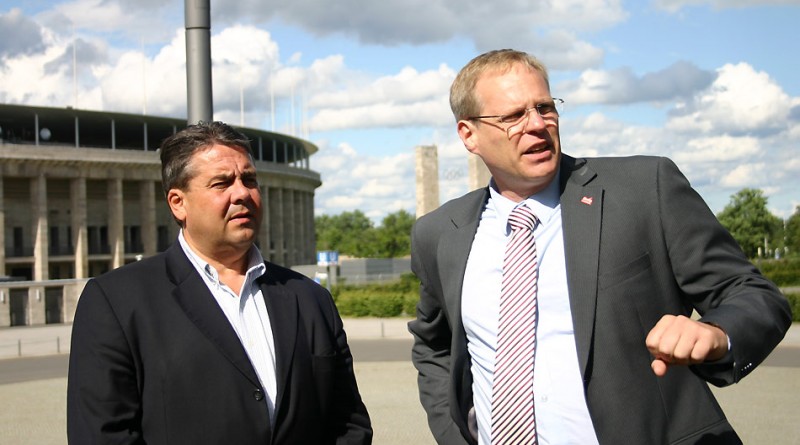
x=534, y=121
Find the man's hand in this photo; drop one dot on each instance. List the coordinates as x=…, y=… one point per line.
x=679, y=340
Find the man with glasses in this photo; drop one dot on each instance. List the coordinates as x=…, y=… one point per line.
x=556, y=304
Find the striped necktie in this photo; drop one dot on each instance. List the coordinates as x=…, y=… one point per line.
x=513, y=416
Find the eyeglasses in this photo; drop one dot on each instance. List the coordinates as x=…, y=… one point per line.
x=515, y=123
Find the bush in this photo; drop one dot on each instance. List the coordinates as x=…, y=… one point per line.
x=783, y=272
x=794, y=303
x=394, y=299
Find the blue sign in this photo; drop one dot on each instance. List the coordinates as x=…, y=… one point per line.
x=327, y=258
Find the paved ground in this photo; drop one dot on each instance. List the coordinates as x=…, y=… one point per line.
x=762, y=408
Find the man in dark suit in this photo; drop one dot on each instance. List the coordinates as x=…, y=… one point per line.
x=624, y=250
x=207, y=343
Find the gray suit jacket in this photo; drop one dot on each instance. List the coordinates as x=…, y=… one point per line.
x=154, y=360
x=647, y=245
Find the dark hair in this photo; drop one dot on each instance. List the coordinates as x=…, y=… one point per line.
x=178, y=149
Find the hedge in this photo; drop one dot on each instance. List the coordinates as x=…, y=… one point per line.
x=784, y=272
x=399, y=299
x=396, y=299
x=794, y=303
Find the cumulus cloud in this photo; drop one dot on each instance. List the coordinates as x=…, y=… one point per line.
x=19, y=35
x=719, y=149
x=726, y=129
x=622, y=86
x=405, y=99
x=352, y=180
x=677, y=5
x=740, y=101
x=418, y=22
x=140, y=20
x=742, y=175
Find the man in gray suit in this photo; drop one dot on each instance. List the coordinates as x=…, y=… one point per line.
x=625, y=251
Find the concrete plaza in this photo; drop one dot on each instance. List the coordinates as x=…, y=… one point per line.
x=762, y=407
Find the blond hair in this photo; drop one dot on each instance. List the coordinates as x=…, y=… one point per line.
x=463, y=101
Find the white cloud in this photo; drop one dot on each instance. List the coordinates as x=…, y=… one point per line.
x=406, y=98
x=743, y=175
x=730, y=128
x=676, y=5
x=420, y=22
x=719, y=149
x=143, y=21
x=431, y=112
x=622, y=86
x=741, y=100
x=352, y=180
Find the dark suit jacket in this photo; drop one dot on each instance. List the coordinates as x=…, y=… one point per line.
x=646, y=246
x=154, y=360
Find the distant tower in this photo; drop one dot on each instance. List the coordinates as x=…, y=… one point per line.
x=427, y=179
x=478, y=173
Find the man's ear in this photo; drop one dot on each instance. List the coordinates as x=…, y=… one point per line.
x=466, y=131
x=176, y=200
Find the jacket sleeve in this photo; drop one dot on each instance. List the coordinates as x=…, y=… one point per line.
x=723, y=286
x=103, y=402
x=431, y=353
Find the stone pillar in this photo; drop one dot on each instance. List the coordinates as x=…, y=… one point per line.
x=2, y=227
x=79, y=232
x=41, y=257
x=147, y=210
x=427, y=168
x=263, y=232
x=311, y=241
x=291, y=227
x=116, y=237
x=278, y=224
x=479, y=175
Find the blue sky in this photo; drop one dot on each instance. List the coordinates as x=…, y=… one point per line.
x=712, y=84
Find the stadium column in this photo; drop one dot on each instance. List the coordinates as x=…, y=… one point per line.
x=2, y=224
x=290, y=228
x=78, y=221
x=116, y=237
x=279, y=238
x=263, y=232
x=40, y=254
x=311, y=237
x=147, y=212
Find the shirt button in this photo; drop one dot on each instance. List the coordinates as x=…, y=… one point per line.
x=258, y=395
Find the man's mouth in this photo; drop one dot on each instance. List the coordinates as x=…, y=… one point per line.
x=537, y=149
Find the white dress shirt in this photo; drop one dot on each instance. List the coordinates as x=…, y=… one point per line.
x=247, y=313
x=562, y=416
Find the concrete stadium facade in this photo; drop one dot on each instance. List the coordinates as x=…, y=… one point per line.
x=80, y=194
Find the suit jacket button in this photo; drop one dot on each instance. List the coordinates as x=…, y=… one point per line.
x=258, y=395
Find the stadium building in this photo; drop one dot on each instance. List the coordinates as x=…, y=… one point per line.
x=80, y=194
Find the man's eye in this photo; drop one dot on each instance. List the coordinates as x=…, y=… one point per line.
x=546, y=108
x=513, y=117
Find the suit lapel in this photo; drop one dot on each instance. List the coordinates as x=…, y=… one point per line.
x=196, y=300
x=581, y=210
x=283, y=317
x=453, y=251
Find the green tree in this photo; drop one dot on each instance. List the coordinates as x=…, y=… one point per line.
x=394, y=235
x=749, y=221
x=349, y=233
x=792, y=233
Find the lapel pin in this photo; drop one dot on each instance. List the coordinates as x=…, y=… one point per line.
x=587, y=200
